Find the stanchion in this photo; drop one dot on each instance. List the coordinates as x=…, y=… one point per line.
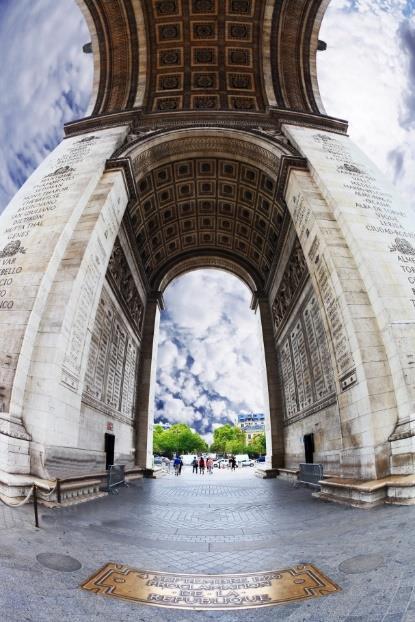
x=35, y=505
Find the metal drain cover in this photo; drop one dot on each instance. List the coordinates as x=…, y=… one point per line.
x=361, y=563
x=55, y=561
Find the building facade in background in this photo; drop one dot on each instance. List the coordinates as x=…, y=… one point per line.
x=252, y=424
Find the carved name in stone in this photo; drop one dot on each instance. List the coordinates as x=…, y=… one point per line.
x=379, y=208
x=110, y=379
x=305, y=361
x=37, y=206
x=81, y=320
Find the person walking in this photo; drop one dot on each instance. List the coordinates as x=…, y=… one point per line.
x=233, y=463
x=180, y=465
x=195, y=465
x=209, y=464
x=202, y=466
x=176, y=465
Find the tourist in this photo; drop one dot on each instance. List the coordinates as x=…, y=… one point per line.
x=233, y=463
x=209, y=464
x=195, y=464
x=176, y=465
x=180, y=465
x=202, y=466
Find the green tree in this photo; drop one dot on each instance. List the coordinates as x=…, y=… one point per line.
x=228, y=439
x=180, y=438
x=257, y=446
x=157, y=435
x=235, y=446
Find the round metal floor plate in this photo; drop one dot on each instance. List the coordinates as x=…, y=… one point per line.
x=361, y=563
x=55, y=561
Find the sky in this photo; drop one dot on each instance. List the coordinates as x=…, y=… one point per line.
x=209, y=355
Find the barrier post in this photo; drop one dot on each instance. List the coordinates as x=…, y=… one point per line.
x=35, y=505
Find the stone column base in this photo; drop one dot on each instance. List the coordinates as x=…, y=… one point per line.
x=267, y=473
x=396, y=490
x=14, y=446
x=402, y=444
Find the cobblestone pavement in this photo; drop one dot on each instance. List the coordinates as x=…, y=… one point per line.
x=226, y=522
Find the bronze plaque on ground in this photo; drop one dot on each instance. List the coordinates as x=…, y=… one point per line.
x=221, y=592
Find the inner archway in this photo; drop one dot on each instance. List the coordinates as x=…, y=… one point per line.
x=210, y=359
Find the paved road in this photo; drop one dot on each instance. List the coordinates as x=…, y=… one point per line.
x=227, y=522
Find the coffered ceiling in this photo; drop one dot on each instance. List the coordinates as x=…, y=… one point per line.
x=168, y=59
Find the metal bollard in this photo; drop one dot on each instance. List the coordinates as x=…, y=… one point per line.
x=35, y=505
x=58, y=490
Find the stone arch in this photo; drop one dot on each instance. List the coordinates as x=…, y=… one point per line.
x=163, y=164
x=87, y=242
x=204, y=262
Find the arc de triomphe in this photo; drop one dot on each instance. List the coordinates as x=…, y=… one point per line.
x=207, y=144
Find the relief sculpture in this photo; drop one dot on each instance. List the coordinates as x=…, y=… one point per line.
x=291, y=280
x=123, y=280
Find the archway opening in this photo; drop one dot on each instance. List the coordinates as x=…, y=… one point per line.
x=210, y=370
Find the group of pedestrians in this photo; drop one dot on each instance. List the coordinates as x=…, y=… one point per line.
x=202, y=464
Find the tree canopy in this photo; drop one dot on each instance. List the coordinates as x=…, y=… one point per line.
x=257, y=446
x=229, y=439
x=180, y=438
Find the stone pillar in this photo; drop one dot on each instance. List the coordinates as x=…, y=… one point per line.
x=146, y=384
x=274, y=429
x=35, y=231
x=359, y=241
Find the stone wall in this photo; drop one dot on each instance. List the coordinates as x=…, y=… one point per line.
x=110, y=385
x=308, y=385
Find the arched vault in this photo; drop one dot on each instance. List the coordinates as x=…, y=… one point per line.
x=171, y=62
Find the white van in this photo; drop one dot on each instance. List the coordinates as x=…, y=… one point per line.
x=241, y=457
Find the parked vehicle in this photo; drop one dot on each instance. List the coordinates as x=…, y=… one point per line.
x=248, y=463
x=261, y=459
x=157, y=460
x=222, y=463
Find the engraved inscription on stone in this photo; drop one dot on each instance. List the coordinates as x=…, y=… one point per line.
x=306, y=369
x=381, y=211
x=110, y=379
x=40, y=203
x=341, y=344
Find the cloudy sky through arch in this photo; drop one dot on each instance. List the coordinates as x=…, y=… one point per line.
x=367, y=75
x=210, y=357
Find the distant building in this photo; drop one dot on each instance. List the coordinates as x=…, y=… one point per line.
x=252, y=424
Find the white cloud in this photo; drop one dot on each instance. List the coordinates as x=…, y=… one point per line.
x=46, y=81
x=220, y=351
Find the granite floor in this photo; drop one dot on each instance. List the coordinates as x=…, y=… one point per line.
x=223, y=523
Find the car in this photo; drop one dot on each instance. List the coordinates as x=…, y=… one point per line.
x=261, y=459
x=158, y=460
x=244, y=463
x=221, y=463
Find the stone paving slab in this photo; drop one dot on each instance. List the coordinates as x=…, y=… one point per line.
x=370, y=554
